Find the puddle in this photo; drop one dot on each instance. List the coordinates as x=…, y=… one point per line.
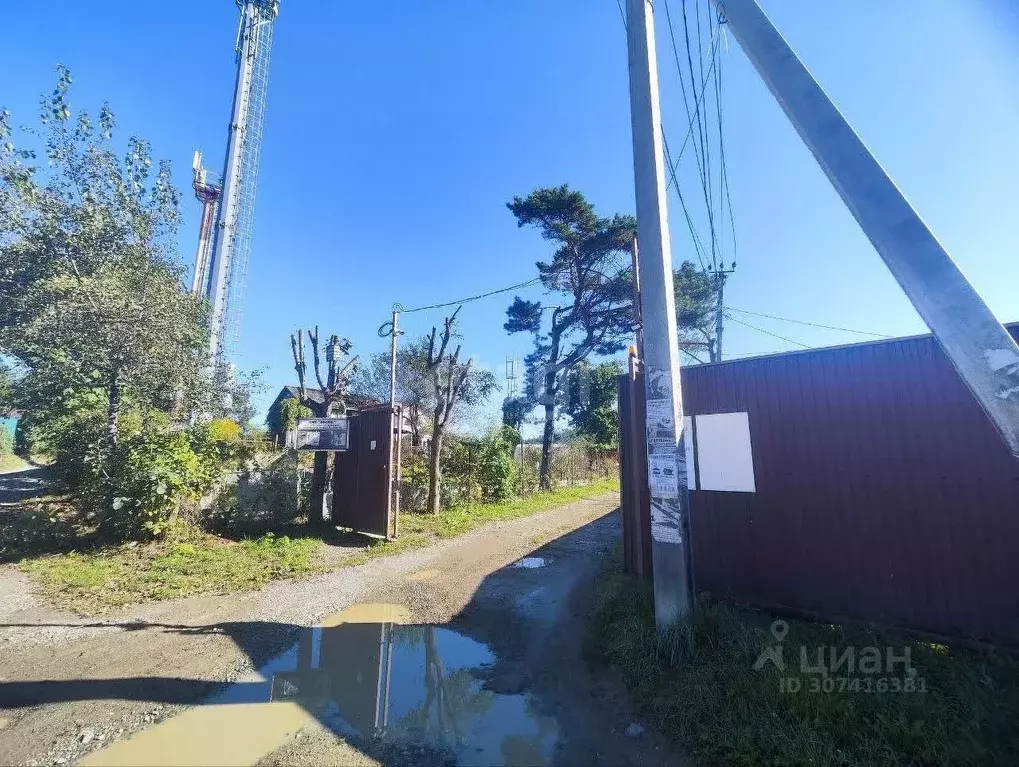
x=381, y=684
x=423, y=575
x=530, y=562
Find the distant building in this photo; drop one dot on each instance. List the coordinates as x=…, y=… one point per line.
x=272, y=419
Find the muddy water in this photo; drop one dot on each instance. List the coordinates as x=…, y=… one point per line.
x=369, y=676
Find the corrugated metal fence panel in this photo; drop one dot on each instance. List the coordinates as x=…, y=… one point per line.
x=883, y=492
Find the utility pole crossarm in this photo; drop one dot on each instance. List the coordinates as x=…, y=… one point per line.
x=977, y=344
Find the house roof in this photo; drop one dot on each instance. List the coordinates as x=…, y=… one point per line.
x=316, y=395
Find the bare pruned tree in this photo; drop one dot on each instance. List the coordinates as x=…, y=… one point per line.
x=453, y=382
x=332, y=400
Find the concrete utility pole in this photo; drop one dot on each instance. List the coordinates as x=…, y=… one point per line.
x=982, y=351
x=670, y=503
x=721, y=274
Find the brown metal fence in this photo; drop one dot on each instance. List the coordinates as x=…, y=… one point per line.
x=881, y=491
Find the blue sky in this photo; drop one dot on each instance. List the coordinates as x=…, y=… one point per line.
x=396, y=132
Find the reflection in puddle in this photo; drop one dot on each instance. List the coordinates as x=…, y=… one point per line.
x=414, y=686
x=530, y=562
x=367, y=677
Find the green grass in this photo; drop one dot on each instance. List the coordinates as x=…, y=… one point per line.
x=191, y=562
x=696, y=684
x=92, y=582
x=417, y=530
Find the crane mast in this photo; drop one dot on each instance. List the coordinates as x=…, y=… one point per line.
x=221, y=271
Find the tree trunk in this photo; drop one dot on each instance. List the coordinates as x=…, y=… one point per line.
x=435, y=467
x=113, y=410
x=545, y=470
x=415, y=432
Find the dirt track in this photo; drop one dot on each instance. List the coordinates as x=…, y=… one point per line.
x=70, y=687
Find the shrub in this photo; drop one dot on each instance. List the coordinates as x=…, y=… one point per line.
x=261, y=500
x=224, y=430
x=149, y=474
x=479, y=469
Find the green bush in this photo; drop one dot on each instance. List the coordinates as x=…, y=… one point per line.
x=479, y=469
x=151, y=473
x=261, y=500
x=224, y=430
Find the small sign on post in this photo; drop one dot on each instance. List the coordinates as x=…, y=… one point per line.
x=322, y=434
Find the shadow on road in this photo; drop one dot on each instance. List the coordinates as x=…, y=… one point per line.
x=503, y=683
x=23, y=485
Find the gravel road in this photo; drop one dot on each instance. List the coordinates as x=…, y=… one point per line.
x=70, y=687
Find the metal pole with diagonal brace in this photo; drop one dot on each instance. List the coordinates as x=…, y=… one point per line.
x=978, y=346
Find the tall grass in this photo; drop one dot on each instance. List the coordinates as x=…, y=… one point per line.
x=697, y=685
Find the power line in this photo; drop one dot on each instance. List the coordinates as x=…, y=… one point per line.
x=769, y=333
x=469, y=298
x=811, y=324
x=698, y=247
x=699, y=99
x=622, y=13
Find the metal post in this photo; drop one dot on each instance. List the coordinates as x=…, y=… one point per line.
x=638, y=328
x=670, y=503
x=982, y=351
x=392, y=360
x=399, y=473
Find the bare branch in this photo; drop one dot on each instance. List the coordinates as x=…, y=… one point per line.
x=313, y=337
x=297, y=347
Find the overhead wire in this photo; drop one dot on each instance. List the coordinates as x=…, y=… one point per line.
x=769, y=333
x=622, y=13
x=468, y=299
x=700, y=115
x=804, y=322
x=698, y=246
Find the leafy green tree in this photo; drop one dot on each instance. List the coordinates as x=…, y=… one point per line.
x=94, y=310
x=414, y=388
x=91, y=296
x=592, y=404
x=284, y=417
x=590, y=273
x=695, y=294
x=6, y=388
x=515, y=410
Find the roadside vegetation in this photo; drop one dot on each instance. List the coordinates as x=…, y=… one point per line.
x=159, y=482
x=417, y=530
x=698, y=686
x=187, y=560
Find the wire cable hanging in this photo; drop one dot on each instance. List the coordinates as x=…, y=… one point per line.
x=811, y=324
x=769, y=333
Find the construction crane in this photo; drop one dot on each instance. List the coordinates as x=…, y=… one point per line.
x=221, y=273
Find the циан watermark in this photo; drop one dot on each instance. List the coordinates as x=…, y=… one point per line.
x=828, y=669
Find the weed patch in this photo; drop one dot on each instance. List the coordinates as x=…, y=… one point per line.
x=697, y=685
x=92, y=582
